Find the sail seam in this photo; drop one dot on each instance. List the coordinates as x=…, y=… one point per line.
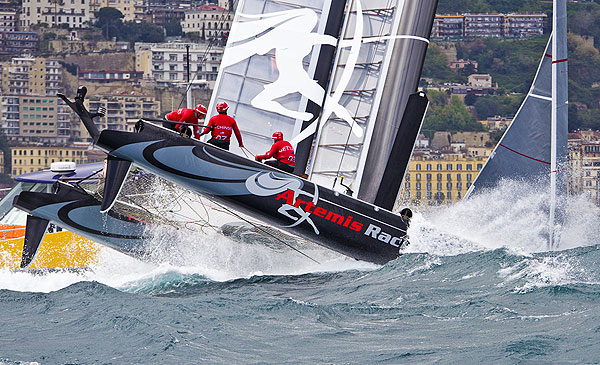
x=521, y=154
x=541, y=96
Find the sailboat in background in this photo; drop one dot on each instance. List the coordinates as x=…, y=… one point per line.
x=345, y=100
x=534, y=147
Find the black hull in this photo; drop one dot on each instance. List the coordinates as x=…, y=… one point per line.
x=80, y=212
x=328, y=218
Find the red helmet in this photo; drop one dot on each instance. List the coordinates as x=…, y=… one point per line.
x=222, y=107
x=277, y=136
x=200, y=109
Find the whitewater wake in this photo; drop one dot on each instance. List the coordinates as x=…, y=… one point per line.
x=491, y=221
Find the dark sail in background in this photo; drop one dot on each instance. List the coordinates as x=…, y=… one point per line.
x=524, y=152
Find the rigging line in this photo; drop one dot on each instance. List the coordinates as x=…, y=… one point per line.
x=266, y=232
x=207, y=50
x=206, y=222
x=360, y=100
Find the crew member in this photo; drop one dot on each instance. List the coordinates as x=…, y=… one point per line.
x=283, y=153
x=189, y=116
x=222, y=126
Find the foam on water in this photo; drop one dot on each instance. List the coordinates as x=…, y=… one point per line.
x=501, y=218
x=496, y=219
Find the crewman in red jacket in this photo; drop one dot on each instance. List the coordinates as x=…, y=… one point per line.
x=190, y=116
x=282, y=151
x=222, y=126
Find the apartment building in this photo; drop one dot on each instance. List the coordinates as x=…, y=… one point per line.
x=31, y=76
x=440, y=179
x=30, y=158
x=209, y=21
x=74, y=13
x=44, y=119
x=488, y=25
x=167, y=62
x=122, y=110
x=15, y=43
x=8, y=21
x=584, y=164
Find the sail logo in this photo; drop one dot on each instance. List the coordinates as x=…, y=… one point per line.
x=290, y=34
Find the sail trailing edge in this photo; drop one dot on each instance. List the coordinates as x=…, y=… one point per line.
x=381, y=51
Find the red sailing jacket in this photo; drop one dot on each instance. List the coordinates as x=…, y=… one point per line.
x=282, y=151
x=184, y=116
x=223, y=126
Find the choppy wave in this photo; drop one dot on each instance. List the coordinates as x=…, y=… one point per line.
x=476, y=284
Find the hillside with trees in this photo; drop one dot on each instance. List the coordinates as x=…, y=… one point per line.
x=513, y=63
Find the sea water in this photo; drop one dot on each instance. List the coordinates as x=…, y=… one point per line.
x=476, y=285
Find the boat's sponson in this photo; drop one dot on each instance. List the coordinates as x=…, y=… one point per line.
x=339, y=222
x=80, y=212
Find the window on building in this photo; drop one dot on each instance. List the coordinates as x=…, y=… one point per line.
x=418, y=194
x=469, y=176
x=418, y=186
x=449, y=186
x=428, y=167
x=428, y=177
x=418, y=167
x=458, y=177
x=439, y=177
x=449, y=167
x=407, y=177
x=459, y=167
x=418, y=177
x=469, y=167
x=448, y=196
x=428, y=186
x=429, y=195
x=449, y=177
x=439, y=186
x=479, y=166
x=458, y=186
x=439, y=166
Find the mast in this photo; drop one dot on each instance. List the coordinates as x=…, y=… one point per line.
x=558, y=115
x=553, y=130
x=189, y=86
x=404, y=73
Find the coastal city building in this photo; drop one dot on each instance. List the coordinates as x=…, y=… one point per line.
x=44, y=119
x=208, y=21
x=436, y=179
x=584, y=164
x=31, y=76
x=33, y=157
x=488, y=25
x=71, y=13
x=8, y=21
x=15, y=43
x=496, y=123
x=122, y=110
x=167, y=62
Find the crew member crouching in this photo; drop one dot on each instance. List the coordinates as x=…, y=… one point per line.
x=222, y=126
x=283, y=153
x=188, y=116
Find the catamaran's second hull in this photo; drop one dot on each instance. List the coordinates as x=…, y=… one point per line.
x=80, y=212
x=328, y=218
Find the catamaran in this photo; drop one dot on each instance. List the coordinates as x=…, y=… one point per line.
x=338, y=78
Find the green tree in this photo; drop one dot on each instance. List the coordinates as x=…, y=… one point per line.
x=173, y=28
x=436, y=66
